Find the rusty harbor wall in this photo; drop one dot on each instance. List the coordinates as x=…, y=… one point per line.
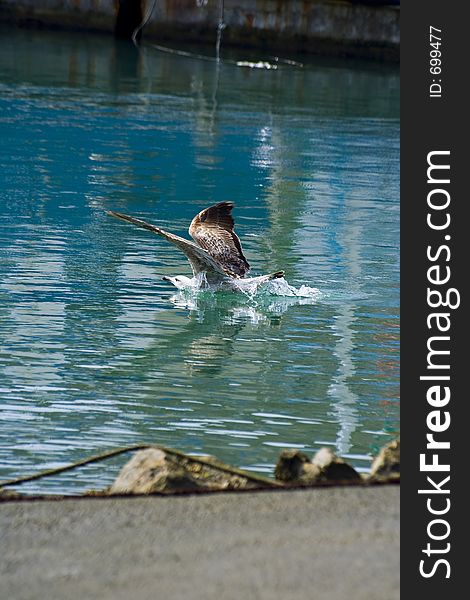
x=331, y=27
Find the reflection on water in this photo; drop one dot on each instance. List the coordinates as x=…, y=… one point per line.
x=97, y=351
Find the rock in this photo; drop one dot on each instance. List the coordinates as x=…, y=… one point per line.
x=6, y=494
x=150, y=471
x=295, y=466
x=386, y=465
x=332, y=467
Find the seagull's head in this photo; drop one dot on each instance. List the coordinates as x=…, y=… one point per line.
x=180, y=281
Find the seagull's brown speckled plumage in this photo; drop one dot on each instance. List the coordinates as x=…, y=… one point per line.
x=212, y=229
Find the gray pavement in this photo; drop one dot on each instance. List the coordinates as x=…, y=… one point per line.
x=322, y=544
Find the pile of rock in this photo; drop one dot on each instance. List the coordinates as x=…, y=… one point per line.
x=167, y=471
x=294, y=466
x=156, y=471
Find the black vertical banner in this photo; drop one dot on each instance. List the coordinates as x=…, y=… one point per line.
x=434, y=289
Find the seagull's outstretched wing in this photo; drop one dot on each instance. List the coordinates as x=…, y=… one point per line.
x=199, y=259
x=212, y=229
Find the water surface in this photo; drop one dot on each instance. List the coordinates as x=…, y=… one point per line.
x=95, y=349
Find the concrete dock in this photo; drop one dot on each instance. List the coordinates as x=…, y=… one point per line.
x=322, y=544
x=366, y=29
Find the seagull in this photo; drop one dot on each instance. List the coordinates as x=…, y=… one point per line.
x=216, y=256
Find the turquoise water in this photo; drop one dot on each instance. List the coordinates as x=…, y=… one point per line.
x=97, y=351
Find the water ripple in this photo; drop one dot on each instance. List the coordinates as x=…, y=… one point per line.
x=97, y=351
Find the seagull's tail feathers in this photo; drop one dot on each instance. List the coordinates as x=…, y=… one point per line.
x=276, y=275
x=260, y=279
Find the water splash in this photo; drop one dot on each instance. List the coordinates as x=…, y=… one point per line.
x=256, y=304
x=252, y=288
x=280, y=287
